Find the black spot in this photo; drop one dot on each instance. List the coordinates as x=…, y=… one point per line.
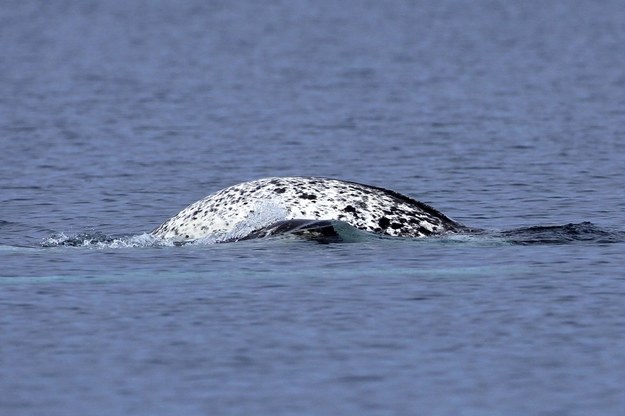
x=349, y=208
x=424, y=231
x=308, y=196
x=280, y=190
x=396, y=226
x=384, y=222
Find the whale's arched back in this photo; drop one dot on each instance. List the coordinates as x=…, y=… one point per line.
x=240, y=211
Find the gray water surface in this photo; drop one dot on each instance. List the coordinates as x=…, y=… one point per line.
x=504, y=116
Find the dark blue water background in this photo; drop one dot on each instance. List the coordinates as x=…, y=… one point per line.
x=114, y=115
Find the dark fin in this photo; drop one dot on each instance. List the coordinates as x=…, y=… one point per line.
x=322, y=231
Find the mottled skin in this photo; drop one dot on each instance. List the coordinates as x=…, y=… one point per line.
x=237, y=211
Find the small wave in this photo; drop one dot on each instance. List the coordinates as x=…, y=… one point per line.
x=572, y=233
x=323, y=231
x=562, y=234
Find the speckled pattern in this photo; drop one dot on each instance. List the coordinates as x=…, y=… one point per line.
x=234, y=212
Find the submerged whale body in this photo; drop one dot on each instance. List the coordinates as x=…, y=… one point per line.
x=303, y=205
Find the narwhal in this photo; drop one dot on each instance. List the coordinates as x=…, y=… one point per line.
x=303, y=204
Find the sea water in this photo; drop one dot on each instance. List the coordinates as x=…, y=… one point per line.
x=506, y=116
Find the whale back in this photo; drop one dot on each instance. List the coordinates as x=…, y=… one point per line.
x=240, y=210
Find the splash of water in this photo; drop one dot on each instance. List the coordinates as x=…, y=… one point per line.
x=101, y=240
